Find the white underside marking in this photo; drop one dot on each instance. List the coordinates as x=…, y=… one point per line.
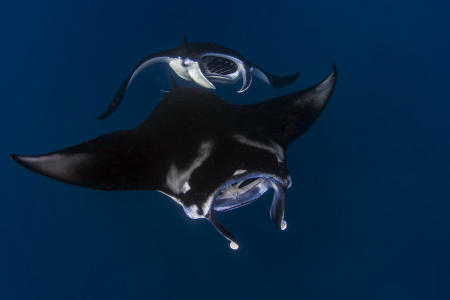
x=146, y=64
x=238, y=172
x=273, y=147
x=172, y=197
x=186, y=187
x=178, y=180
x=192, y=212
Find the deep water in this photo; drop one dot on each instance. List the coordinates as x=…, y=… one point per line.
x=369, y=209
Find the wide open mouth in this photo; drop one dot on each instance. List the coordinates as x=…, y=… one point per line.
x=241, y=193
x=219, y=68
x=245, y=189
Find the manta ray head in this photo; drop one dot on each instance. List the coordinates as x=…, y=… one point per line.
x=202, y=191
x=211, y=67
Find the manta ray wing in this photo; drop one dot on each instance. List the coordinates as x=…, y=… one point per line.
x=274, y=80
x=111, y=162
x=161, y=57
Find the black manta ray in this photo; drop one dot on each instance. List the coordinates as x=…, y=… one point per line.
x=203, y=63
x=206, y=154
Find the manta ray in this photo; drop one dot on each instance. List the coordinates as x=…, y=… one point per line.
x=203, y=63
x=207, y=155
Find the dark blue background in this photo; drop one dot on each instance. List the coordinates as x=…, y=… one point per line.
x=369, y=211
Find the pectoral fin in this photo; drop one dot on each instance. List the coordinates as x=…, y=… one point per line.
x=274, y=80
x=116, y=161
x=152, y=59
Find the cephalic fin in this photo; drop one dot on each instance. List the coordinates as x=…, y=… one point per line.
x=197, y=76
x=278, y=205
x=246, y=79
x=223, y=231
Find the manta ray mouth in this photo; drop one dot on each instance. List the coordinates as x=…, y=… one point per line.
x=246, y=189
x=241, y=193
x=215, y=66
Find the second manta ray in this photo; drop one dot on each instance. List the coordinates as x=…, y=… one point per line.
x=203, y=63
x=207, y=155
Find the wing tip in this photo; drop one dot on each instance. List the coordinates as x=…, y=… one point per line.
x=103, y=116
x=112, y=106
x=282, y=81
x=334, y=69
x=23, y=161
x=20, y=159
x=13, y=156
x=331, y=77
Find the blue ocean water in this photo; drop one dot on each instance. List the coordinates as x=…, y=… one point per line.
x=369, y=210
